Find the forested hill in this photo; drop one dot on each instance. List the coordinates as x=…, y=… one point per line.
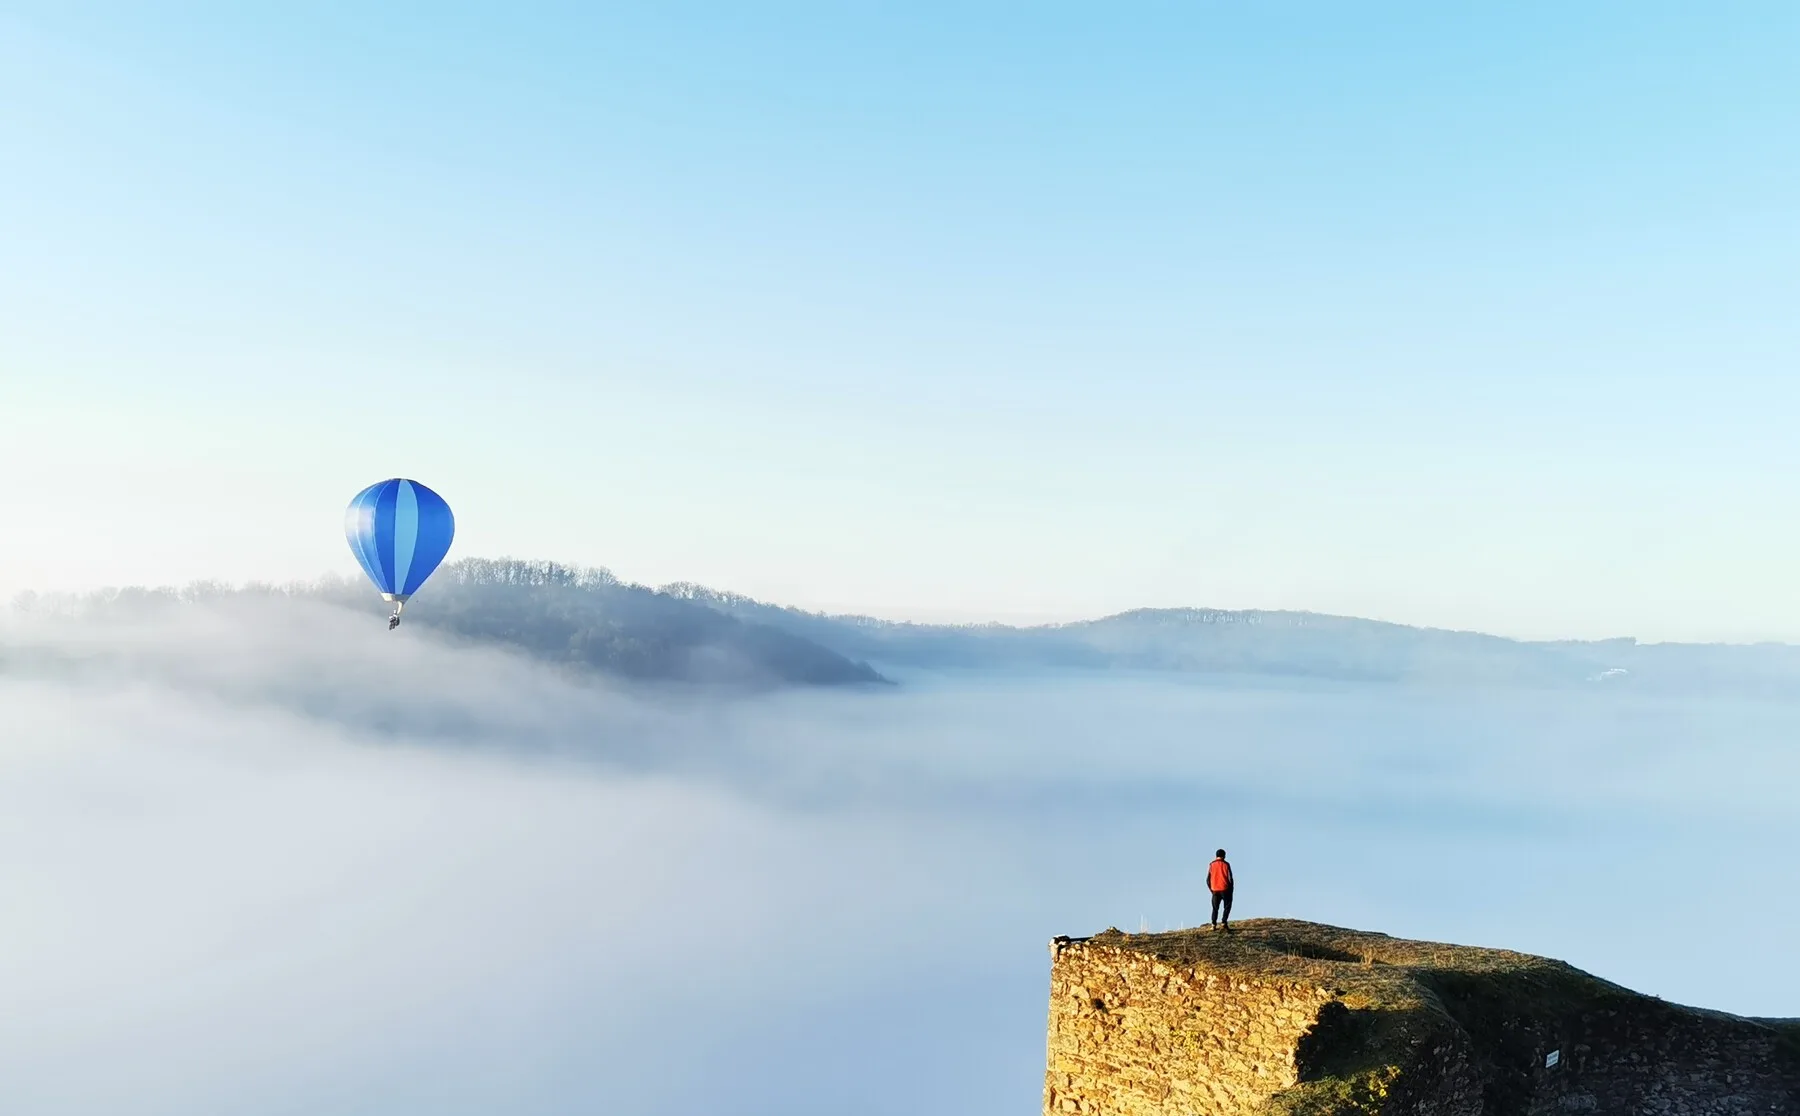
x=589, y=618
x=583, y=618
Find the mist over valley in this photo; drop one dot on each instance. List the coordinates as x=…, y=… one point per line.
x=264, y=855
x=588, y=619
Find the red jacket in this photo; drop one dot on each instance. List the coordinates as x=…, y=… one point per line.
x=1218, y=877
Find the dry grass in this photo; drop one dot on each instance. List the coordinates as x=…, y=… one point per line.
x=1373, y=968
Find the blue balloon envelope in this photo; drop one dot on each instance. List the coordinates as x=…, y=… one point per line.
x=399, y=530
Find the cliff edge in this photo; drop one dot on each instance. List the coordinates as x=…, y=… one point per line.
x=1291, y=1018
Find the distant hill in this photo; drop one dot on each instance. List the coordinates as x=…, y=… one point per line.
x=1300, y=644
x=588, y=618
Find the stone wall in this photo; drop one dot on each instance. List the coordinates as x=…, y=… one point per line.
x=1651, y=1060
x=1291, y=1018
x=1131, y=1035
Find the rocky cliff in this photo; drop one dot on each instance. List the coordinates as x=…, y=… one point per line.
x=1296, y=1019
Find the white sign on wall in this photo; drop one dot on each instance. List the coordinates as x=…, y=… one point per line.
x=1552, y=1058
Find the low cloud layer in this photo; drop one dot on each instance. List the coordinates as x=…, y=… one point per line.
x=267, y=857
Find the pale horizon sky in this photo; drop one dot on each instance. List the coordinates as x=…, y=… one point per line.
x=1474, y=319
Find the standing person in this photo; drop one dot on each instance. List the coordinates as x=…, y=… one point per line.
x=1220, y=880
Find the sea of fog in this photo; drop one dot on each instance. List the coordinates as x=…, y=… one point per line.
x=269, y=858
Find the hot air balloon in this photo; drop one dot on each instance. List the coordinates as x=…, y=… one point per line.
x=399, y=530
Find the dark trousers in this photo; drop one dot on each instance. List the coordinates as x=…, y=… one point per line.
x=1222, y=898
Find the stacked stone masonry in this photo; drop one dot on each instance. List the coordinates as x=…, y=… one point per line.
x=1134, y=1036
x=1132, y=1033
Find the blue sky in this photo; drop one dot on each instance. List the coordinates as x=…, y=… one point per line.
x=1472, y=318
